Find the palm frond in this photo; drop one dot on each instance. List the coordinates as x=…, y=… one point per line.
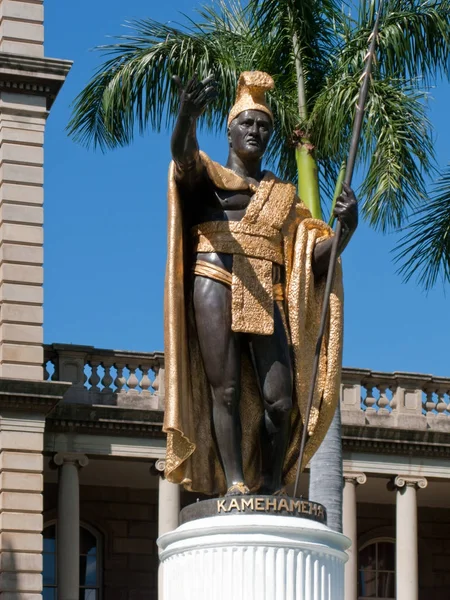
x=398, y=153
x=413, y=41
x=424, y=251
x=133, y=86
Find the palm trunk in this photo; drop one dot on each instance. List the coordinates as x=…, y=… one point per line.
x=308, y=182
x=326, y=476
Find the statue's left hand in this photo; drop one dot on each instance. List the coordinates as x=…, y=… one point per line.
x=346, y=209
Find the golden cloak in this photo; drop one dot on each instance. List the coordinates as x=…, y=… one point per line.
x=192, y=457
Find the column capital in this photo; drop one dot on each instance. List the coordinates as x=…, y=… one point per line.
x=403, y=481
x=160, y=464
x=355, y=478
x=75, y=458
x=157, y=467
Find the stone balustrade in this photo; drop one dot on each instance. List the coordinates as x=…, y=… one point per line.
x=107, y=377
x=136, y=380
x=399, y=400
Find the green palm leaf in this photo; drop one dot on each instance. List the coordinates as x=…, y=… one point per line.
x=424, y=250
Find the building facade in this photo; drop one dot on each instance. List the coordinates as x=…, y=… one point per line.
x=82, y=497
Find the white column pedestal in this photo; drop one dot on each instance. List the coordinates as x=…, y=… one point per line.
x=253, y=557
x=407, y=562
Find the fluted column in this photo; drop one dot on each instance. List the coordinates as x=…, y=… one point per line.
x=68, y=528
x=350, y=529
x=168, y=511
x=407, y=564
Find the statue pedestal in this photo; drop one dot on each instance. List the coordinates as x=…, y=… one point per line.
x=253, y=557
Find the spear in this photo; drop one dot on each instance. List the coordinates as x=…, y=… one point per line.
x=356, y=135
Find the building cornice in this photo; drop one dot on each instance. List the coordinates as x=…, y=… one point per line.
x=39, y=397
x=375, y=440
x=33, y=75
x=106, y=420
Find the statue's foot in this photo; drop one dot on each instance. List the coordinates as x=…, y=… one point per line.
x=271, y=488
x=237, y=489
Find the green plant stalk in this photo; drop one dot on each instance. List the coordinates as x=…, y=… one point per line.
x=337, y=191
x=308, y=181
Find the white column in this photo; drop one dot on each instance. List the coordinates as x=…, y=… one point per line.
x=407, y=564
x=68, y=527
x=168, y=511
x=350, y=529
x=168, y=502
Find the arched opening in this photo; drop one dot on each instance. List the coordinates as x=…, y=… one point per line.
x=376, y=578
x=90, y=562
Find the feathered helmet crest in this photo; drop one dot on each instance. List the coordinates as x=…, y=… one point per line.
x=251, y=94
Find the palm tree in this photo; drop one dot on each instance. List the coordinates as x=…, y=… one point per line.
x=315, y=50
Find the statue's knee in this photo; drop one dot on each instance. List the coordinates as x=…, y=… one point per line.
x=280, y=409
x=226, y=397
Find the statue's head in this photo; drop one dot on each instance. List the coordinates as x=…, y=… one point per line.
x=250, y=122
x=249, y=133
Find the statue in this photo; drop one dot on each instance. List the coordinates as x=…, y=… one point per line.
x=243, y=293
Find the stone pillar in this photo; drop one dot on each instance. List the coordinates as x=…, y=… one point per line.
x=407, y=564
x=168, y=502
x=29, y=84
x=23, y=406
x=168, y=511
x=350, y=529
x=22, y=27
x=68, y=529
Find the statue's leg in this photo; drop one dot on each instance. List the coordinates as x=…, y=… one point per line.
x=220, y=349
x=273, y=366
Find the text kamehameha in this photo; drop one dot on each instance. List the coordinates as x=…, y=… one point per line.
x=271, y=504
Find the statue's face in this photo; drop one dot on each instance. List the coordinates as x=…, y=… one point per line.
x=249, y=133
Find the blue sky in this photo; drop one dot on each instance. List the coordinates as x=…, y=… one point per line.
x=105, y=226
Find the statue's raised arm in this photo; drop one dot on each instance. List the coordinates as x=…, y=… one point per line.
x=194, y=99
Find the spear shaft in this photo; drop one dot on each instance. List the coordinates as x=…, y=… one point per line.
x=356, y=135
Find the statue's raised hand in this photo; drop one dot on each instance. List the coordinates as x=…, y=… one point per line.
x=196, y=96
x=346, y=209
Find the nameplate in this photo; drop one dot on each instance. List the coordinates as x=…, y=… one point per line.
x=270, y=505
x=256, y=504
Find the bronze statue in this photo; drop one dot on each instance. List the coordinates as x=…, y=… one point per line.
x=244, y=287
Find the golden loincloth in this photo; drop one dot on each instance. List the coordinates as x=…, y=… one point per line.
x=211, y=271
x=256, y=241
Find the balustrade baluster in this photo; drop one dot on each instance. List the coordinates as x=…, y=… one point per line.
x=145, y=382
x=441, y=406
x=107, y=379
x=155, y=385
x=132, y=381
x=55, y=374
x=383, y=401
x=430, y=404
x=94, y=379
x=120, y=381
x=370, y=400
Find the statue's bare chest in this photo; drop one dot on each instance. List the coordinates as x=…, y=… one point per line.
x=215, y=204
x=230, y=200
